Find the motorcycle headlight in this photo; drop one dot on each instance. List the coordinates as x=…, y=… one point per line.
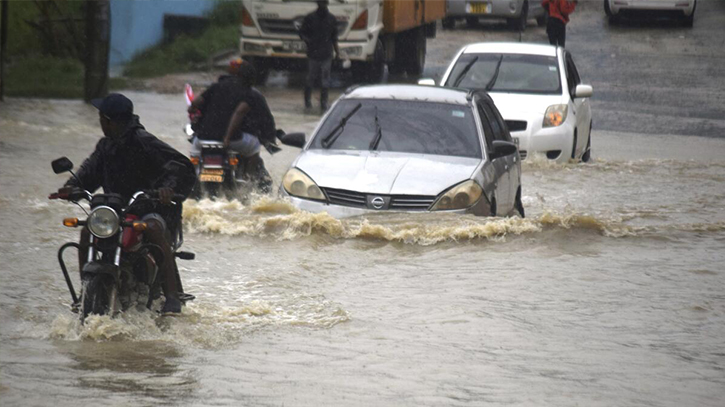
x=555, y=115
x=298, y=184
x=103, y=222
x=461, y=196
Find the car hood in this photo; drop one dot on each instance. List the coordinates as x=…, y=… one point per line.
x=386, y=173
x=518, y=106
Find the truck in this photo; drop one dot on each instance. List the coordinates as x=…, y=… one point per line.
x=371, y=34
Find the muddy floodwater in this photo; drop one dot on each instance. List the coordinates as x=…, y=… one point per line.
x=610, y=293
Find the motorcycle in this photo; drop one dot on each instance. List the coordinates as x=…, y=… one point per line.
x=220, y=171
x=122, y=267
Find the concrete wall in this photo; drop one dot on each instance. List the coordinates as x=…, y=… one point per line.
x=138, y=24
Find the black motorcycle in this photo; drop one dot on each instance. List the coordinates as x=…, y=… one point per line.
x=121, y=270
x=220, y=171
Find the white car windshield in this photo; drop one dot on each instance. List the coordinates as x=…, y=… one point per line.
x=511, y=73
x=400, y=126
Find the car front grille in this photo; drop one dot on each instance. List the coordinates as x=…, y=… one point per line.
x=345, y=198
x=516, y=125
x=411, y=202
x=287, y=27
x=392, y=202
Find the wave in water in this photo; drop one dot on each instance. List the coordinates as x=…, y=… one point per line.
x=280, y=220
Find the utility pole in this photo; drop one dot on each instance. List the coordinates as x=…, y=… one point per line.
x=98, y=32
x=3, y=44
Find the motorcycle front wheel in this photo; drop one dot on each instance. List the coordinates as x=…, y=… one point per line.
x=96, y=295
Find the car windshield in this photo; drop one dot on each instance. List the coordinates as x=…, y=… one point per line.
x=517, y=73
x=400, y=126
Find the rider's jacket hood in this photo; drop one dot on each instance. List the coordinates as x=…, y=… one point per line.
x=135, y=161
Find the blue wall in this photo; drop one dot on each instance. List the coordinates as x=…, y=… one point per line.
x=138, y=24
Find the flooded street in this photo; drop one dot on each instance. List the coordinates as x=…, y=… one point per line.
x=610, y=293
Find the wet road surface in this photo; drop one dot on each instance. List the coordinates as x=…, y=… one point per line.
x=610, y=293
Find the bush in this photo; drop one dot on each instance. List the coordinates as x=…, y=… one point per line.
x=45, y=77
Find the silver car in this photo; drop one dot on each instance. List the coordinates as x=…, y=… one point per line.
x=516, y=12
x=408, y=148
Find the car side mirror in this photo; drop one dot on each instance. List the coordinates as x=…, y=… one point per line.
x=427, y=82
x=61, y=165
x=583, y=91
x=502, y=148
x=293, y=139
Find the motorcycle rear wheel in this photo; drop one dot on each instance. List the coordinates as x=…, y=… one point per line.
x=95, y=298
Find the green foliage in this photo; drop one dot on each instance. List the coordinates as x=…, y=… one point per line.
x=184, y=54
x=226, y=12
x=56, y=38
x=45, y=77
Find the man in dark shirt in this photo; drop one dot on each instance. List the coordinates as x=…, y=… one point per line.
x=234, y=112
x=319, y=32
x=130, y=159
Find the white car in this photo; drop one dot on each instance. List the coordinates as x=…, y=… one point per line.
x=538, y=91
x=407, y=148
x=684, y=9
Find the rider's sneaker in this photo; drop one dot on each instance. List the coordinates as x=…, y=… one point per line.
x=171, y=306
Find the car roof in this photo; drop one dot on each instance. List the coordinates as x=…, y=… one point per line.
x=410, y=92
x=510, y=48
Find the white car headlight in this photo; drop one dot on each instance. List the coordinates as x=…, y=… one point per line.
x=298, y=184
x=461, y=196
x=555, y=115
x=103, y=222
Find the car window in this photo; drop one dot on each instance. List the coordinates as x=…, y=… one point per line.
x=572, y=75
x=405, y=126
x=518, y=73
x=486, y=122
x=497, y=124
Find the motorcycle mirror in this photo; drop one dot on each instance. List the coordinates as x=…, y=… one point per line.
x=61, y=165
x=293, y=139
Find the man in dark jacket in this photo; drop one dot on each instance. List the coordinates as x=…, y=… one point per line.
x=130, y=159
x=559, y=11
x=234, y=112
x=319, y=32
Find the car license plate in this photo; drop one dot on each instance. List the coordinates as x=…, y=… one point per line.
x=297, y=46
x=211, y=178
x=478, y=8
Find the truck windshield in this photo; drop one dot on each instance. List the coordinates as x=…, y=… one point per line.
x=517, y=73
x=402, y=126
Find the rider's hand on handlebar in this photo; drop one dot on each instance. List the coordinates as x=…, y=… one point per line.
x=166, y=195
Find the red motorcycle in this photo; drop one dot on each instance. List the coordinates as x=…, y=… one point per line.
x=121, y=270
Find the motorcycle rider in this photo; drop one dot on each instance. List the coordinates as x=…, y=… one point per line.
x=234, y=112
x=130, y=159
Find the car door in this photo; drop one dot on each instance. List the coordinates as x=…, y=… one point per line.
x=512, y=160
x=501, y=165
x=579, y=107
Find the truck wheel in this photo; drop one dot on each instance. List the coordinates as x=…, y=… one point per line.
x=370, y=71
x=449, y=23
x=416, y=60
x=519, y=24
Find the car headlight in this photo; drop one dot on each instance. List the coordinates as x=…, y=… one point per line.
x=103, y=222
x=298, y=184
x=555, y=115
x=461, y=196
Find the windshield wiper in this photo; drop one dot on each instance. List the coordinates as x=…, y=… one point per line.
x=378, y=132
x=335, y=133
x=463, y=73
x=490, y=83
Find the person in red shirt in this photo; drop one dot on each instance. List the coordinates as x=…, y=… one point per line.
x=559, y=11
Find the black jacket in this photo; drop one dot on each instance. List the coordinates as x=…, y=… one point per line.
x=221, y=100
x=319, y=31
x=135, y=162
